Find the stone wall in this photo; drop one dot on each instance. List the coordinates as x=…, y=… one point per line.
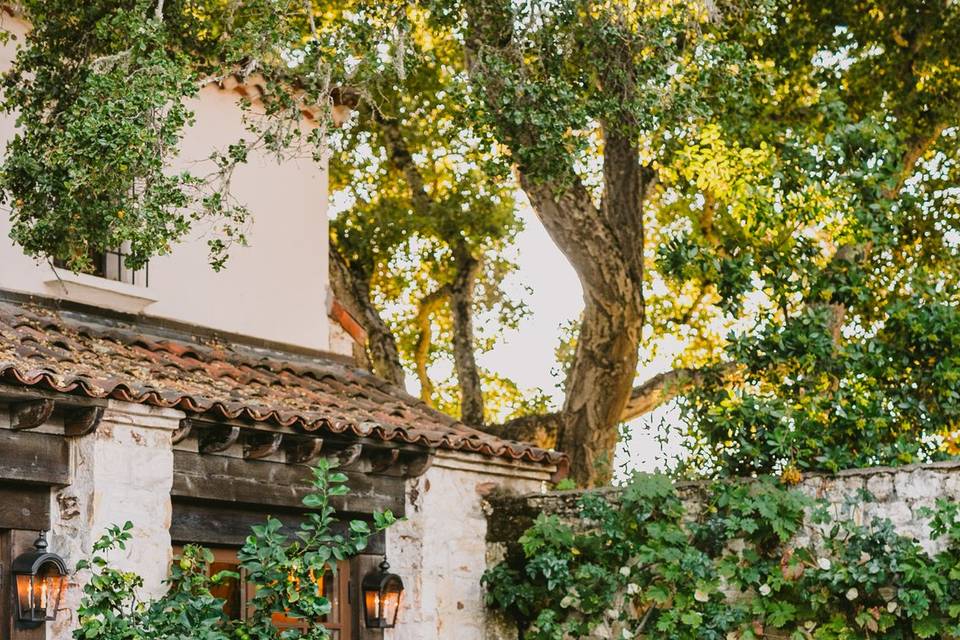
x=898, y=494
x=121, y=472
x=440, y=548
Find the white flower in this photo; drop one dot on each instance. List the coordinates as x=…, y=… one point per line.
x=633, y=589
x=627, y=634
x=625, y=572
x=853, y=594
x=702, y=596
x=824, y=563
x=765, y=590
x=892, y=606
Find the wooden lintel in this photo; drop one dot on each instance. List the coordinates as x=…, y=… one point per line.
x=186, y=426
x=257, y=447
x=30, y=414
x=216, y=440
x=348, y=456
x=382, y=460
x=418, y=465
x=80, y=421
x=304, y=451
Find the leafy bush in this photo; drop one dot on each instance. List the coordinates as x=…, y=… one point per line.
x=735, y=568
x=275, y=563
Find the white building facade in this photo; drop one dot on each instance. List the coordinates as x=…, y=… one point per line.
x=191, y=403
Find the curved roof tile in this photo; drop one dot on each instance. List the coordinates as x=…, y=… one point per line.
x=45, y=348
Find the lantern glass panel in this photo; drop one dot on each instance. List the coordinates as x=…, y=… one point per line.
x=371, y=608
x=38, y=596
x=390, y=602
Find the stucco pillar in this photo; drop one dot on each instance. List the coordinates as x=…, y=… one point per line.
x=440, y=549
x=121, y=472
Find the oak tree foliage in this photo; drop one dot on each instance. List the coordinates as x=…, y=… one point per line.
x=768, y=185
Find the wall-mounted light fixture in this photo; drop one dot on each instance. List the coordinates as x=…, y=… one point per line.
x=40, y=577
x=381, y=597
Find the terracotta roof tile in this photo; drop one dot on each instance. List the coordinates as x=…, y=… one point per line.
x=103, y=358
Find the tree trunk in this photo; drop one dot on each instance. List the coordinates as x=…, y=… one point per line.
x=464, y=358
x=353, y=292
x=605, y=247
x=421, y=356
x=598, y=387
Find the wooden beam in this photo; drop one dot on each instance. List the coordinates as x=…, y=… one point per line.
x=218, y=439
x=38, y=458
x=10, y=393
x=24, y=506
x=303, y=450
x=228, y=479
x=418, y=465
x=262, y=446
x=382, y=460
x=80, y=421
x=186, y=426
x=30, y=414
x=229, y=525
x=348, y=456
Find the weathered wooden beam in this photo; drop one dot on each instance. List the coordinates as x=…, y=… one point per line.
x=218, y=439
x=24, y=506
x=30, y=414
x=348, y=456
x=79, y=421
x=39, y=458
x=229, y=525
x=418, y=464
x=261, y=446
x=229, y=479
x=303, y=450
x=186, y=426
x=9, y=393
x=382, y=460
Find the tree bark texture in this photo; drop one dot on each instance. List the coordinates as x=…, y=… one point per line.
x=464, y=349
x=605, y=246
x=353, y=292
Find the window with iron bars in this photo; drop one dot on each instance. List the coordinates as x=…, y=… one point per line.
x=110, y=266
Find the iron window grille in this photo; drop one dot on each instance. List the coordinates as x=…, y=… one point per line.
x=109, y=265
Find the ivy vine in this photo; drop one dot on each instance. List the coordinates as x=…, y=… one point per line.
x=739, y=563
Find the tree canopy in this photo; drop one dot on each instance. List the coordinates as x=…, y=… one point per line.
x=771, y=184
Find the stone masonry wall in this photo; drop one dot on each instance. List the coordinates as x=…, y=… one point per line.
x=898, y=494
x=123, y=471
x=440, y=548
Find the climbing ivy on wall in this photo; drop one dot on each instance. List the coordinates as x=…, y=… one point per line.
x=739, y=563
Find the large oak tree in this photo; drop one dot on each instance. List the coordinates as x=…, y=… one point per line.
x=770, y=185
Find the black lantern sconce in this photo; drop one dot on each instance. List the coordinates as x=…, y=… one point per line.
x=381, y=597
x=40, y=577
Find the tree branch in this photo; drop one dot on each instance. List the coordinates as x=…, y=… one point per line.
x=464, y=357
x=353, y=292
x=664, y=387
x=542, y=429
x=421, y=356
x=401, y=158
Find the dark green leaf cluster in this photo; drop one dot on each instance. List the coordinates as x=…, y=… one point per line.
x=728, y=561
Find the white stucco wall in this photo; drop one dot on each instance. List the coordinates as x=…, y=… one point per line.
x=274, y=289
x=440, y=549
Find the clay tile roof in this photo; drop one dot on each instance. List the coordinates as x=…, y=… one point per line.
x=101, y=357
